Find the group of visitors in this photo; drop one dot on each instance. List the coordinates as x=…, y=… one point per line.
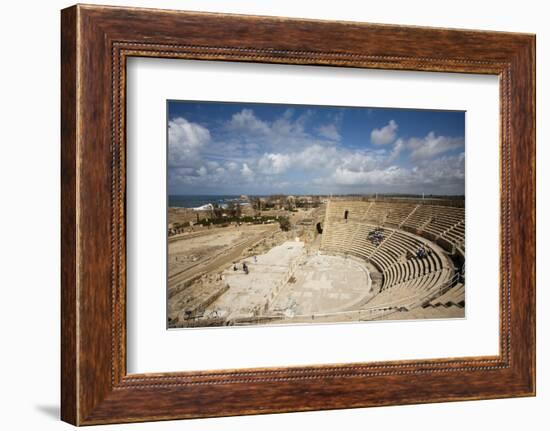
x=376, y=236
x=244, y=266
x=422, y=252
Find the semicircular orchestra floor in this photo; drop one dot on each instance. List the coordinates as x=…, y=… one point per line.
x=324, y=284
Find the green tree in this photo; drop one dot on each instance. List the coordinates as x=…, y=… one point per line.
x=218, y=211
x=234, y=209
x=284, y=223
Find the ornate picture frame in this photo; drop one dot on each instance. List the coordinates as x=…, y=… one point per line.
x=96, y=41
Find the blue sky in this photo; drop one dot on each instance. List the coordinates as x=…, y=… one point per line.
x=243, y=148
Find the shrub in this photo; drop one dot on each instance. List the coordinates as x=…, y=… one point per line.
x=284, y=223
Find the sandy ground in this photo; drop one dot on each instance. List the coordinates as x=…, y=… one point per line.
x=189, y=255
x=187, y=250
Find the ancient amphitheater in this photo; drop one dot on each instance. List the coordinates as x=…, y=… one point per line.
x=410, y=286
x=355, y=260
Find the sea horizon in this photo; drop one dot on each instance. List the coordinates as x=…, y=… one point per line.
x=195, y=201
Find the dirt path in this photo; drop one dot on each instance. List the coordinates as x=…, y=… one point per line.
x=177, y=282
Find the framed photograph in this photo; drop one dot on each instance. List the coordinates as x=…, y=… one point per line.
x=282, y=214
x=324, y=214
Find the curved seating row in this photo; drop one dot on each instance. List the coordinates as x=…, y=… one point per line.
x=395, y=256
x=407, y=279
x=431, y=221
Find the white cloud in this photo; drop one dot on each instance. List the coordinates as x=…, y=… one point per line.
x=329, y=131
x=185, y=141
x=285, y=126
x=255, y=155
x=358, y=161
x=246, y=121
x=396, y=151
x=212, y=165
x=444, y=170
x=432, y=145
x=246, y=133
x=315, y=157
x=274, y=163
x=246, y=171
x=443, y=175
x=385, y=135
x=232, y=166
x=389, y=176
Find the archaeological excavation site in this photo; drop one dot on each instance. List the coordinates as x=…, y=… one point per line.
x=321, y=259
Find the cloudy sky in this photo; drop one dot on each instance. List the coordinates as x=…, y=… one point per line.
x=261, y=149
